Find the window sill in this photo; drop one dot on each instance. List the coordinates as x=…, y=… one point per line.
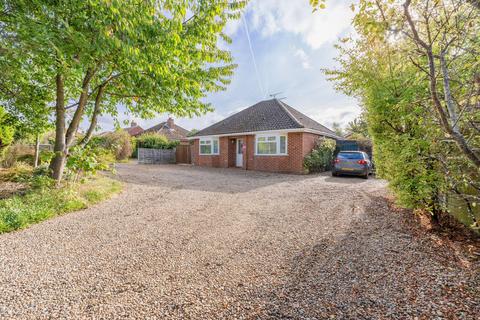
x=272, y=155
x=209, y=154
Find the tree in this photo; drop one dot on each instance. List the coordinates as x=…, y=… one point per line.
x=437, y=44
x=192, y=132
x=24, y=99
x=414, y=68
x=337, y=128
x=149, y=56
x=6, y=130
x=358, y=127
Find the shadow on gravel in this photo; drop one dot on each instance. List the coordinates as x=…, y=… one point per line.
x=383, y=267
x=225, y=180
x=347, y=179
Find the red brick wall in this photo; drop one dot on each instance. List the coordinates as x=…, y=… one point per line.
x=217, y=161
x=299, y=145
x=293, y=162
x=309, y=140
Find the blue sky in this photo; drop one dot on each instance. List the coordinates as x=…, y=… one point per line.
x=291, y=44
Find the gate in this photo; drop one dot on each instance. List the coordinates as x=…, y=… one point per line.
x=183, y=154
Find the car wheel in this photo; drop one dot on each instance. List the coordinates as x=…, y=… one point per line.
x=365, y=176
x=334, y=174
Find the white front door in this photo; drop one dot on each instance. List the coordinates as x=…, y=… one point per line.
x=239, y=162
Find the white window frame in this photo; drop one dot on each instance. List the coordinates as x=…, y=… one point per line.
x=277, y=140
x=211, y=143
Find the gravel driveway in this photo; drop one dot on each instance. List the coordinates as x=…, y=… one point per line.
x=195, y=243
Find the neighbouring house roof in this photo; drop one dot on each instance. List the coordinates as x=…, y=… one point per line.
x=266, y=115
x=170, y=130
x=134, y=130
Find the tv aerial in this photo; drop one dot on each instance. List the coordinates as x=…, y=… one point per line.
x=274, y=95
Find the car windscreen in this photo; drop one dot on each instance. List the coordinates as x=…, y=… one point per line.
x=350, y=155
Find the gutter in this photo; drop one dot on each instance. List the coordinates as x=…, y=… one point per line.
x=232, y=134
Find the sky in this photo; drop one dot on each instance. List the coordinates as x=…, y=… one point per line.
x=290, y=45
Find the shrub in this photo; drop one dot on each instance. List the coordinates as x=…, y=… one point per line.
x=153, y=141
x=43, y=203
x=19, y=172
x=6, y=131
x=87, y=161
x=119, y=143
x=46, y=156
x=321, y=157
x=18, y=151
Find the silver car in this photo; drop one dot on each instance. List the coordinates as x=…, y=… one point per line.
x=352, y=163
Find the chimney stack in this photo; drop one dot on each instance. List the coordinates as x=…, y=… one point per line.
x=170, y=122
x=133, y=124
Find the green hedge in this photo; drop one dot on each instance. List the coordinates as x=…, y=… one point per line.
x=153, y=141
x=321, y=157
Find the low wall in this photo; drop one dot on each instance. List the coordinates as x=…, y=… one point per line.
x=156, y=156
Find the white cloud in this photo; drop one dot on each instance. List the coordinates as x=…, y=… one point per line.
x=232, y=27
x=325, y=26
x=329, y=114
x=300, y=53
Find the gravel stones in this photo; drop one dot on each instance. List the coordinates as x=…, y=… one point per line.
x=197, y=243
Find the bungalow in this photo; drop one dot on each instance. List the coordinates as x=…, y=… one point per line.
x=170, y=130
x=134, y=129
x=268, y=136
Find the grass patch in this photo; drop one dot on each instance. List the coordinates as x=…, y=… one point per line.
x=40, y=204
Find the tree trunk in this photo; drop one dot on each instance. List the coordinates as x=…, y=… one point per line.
x=37, y=150
x=77, y=116
x=96, y=113
x=444, y=119
x=58, y=162
x=475, y=3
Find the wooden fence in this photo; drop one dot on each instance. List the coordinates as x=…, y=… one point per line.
x=156, y=156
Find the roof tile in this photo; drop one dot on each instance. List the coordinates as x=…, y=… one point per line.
x=264, y=116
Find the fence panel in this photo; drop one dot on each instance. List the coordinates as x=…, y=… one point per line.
x=156, y=156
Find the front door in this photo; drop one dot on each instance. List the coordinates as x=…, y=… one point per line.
x=239, y=162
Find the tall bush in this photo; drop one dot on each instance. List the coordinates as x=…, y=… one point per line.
x=154, y=141
x=420, y=112
x=6, y=131
x=321, y=157
x=18, y=151
x=85, y=161
x=120, y=143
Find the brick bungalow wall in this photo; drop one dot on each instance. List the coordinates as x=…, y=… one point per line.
x=299, y=145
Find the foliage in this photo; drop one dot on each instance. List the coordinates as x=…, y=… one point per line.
x=18, y=151
x=192, y=132
x=6, y=131
x=120, y=143
x=46, y=156
x=358, y=128
x=21, y=151
x=155, y=141
x=44, y=202
x=17, y=173
x=149, y=56
x=88, y=160
x=318, y=4
x=422, y=113
x=337, y=128
x=321, y=157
